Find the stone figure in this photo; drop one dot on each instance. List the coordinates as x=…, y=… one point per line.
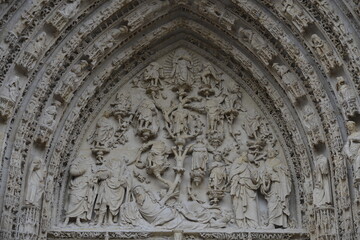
x=322, y=186
x=352, y=148
x=243, y=187
x=104, y=43
x=11, y=89
x=72, y=80
x=33, y=52
x=276, y=187
x=48, y=119
x=153, y=73
x=217, y=178
x=199, y=160
x=35, y=183
x=210, y=77
x=182, y=67
x=259, y=45
x=156, y=160
x=113, y=187
x=311, y=126
x=296, y=14
x=163, y=216
x=146, y=117
x=325, y=53
x=61, y=17
x=104, y=131
x=293, y=85
x=348, y=97
x=81, y=191
x=9, y=94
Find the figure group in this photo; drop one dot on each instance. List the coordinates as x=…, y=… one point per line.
x=96, y=191
x=272, y=179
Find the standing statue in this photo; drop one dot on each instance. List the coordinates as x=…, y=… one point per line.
x=352, y=148
x=182, y=68
x=322, y=189
x=200, y=158
x=243, y=186
x=35, y=183
x=81, y=191
x=146, y=116
x=112, y=190
x=311, y=126
x=153, y=73
x=276, y=186
x=33, y=52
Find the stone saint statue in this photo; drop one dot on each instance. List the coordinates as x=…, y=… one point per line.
x=276, y=187
x=352, y=148
x=81, y=191
x=243, y=187
x=112, y=190
x=322, y=194
x=35, y=184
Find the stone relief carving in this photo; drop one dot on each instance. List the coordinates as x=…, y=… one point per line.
x=322, y=189
x=35, y=182
x=33, y=52
x=299, y=18
x=352, y=149
x=348, y=97
x=62, y=16
x=9, y=94
x=47, y=123
x=326, y=54
x=200, y=156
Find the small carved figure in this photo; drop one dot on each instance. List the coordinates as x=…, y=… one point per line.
x=64, y=14
x=35, y=183
x=322, y=189
x=293, y=85
x=311, y=126
x=199, y=160
x=153, y=73
x=104, y=132
x=9, y=94
x=276, y=187
x=146, y=116
x=112, y=190
x=352, y=148
x=72, y=81
x=156, y=160
x=348, y=97
x=210, y=77
x=81, y=191
x=296, y=14
x=217, y=179
x=182, y=67
x=259, y=45
x=325, y=53
x=33, y=52
x=243, y=187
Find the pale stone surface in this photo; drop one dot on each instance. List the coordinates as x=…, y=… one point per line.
x=163, y=119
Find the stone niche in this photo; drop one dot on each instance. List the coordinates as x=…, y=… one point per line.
x=180, y=151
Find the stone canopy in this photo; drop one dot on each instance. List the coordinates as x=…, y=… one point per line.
x=179, y=119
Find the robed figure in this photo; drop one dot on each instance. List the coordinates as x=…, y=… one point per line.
x=243, y=192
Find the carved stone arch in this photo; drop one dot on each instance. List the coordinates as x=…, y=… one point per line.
x=40, y=121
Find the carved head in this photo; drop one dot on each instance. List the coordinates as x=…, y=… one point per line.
x=351, y=126
x=341, y=81
x=139, y=194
